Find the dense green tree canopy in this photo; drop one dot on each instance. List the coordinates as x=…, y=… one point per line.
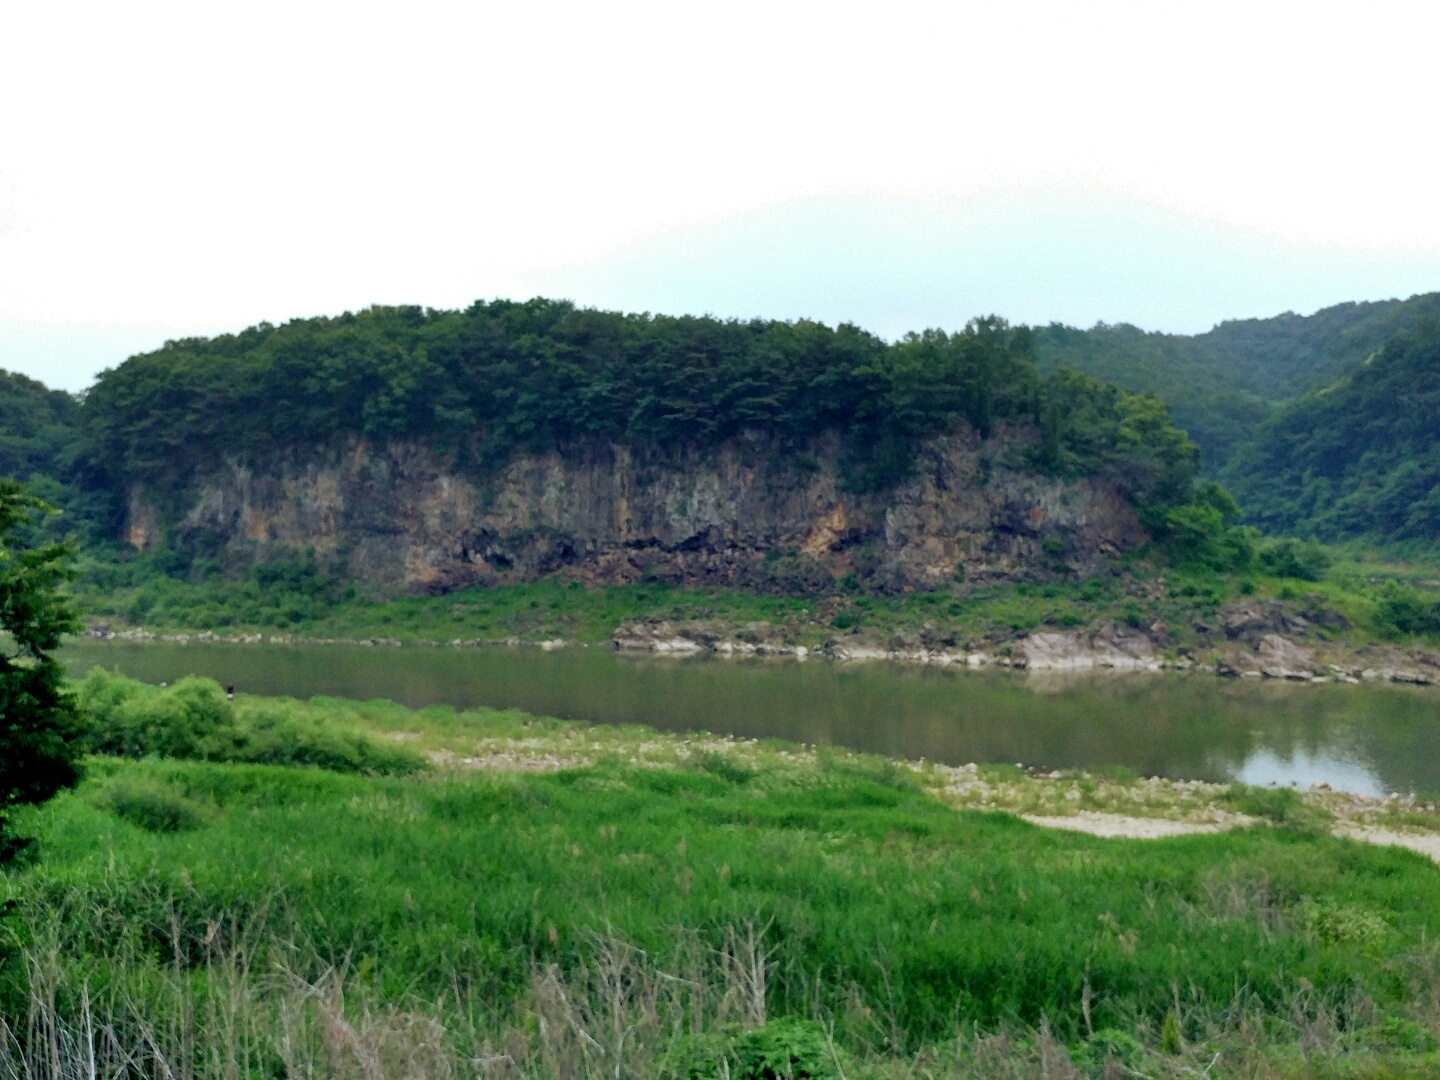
x=504, y=376
x=1359, y=457
x=36, y=427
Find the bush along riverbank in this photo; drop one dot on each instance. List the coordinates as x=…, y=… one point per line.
x=543, y=898
x=1307, y=619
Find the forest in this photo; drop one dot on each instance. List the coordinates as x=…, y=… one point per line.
x=1358, y=457
x=1221, y=384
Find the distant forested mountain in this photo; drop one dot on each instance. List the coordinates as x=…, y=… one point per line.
x=1357, y=457
x=1222, y=384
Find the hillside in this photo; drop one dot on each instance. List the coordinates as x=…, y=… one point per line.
x=417, y=446
x=1221, y=384
x=1359, y=457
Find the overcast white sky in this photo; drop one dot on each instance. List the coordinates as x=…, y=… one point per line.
x=192, y=168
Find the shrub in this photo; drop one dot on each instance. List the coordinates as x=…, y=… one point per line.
x=151, y=804
x=1406, y=611
x=1282, y=807
x=1402, y=1034
x=278, y=733
x=1290, y=558
x=1202, y=531
x=725, y=767
x=1171, y=1040
x=191, y=719
x=1130, y=614
x=882, y=771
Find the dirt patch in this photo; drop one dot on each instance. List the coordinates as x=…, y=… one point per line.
x=504, y=762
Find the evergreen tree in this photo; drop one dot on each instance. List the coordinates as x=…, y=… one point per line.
x=39, y=727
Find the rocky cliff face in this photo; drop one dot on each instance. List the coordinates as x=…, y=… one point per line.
x=402, y=517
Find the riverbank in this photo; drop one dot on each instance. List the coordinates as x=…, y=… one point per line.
x=1094, y=801
x=550, y=898
x=1373, y=738
x=1109, y=801
x=1251, y=649
x=1354, y=624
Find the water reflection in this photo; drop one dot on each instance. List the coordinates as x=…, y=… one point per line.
x=1304, y=769
x=1362, y=738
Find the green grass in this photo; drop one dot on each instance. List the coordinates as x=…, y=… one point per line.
x=893, y=917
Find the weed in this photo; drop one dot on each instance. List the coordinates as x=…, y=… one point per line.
x=725, y=767
x=151, y=804
x=1337, y=924
x=1282, y=807
x=786, y=1049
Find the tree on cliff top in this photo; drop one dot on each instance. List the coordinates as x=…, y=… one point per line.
x=39, y=726
x=504, y=377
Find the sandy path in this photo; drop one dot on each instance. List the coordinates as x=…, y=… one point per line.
x=1424, y=843
x=1122, y=827
x=1119, y=826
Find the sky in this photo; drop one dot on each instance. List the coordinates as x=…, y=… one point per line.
x=178, y=169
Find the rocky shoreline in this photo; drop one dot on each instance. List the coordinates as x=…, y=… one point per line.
x=1252, y=649
x=1273, y=657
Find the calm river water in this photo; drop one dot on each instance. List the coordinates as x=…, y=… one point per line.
x=1368, y=739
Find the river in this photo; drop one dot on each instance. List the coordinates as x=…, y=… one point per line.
x=1370, y=739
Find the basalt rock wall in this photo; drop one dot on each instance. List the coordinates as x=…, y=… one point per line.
x=401, y=517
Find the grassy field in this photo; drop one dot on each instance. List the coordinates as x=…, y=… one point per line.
x=547, y=899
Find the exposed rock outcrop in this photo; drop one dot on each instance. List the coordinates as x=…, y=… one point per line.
x=1276, y=658
x=1112, y=647
x=405, y=517
x=1252, y=623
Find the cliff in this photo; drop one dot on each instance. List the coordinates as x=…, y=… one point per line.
x=399, y=516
